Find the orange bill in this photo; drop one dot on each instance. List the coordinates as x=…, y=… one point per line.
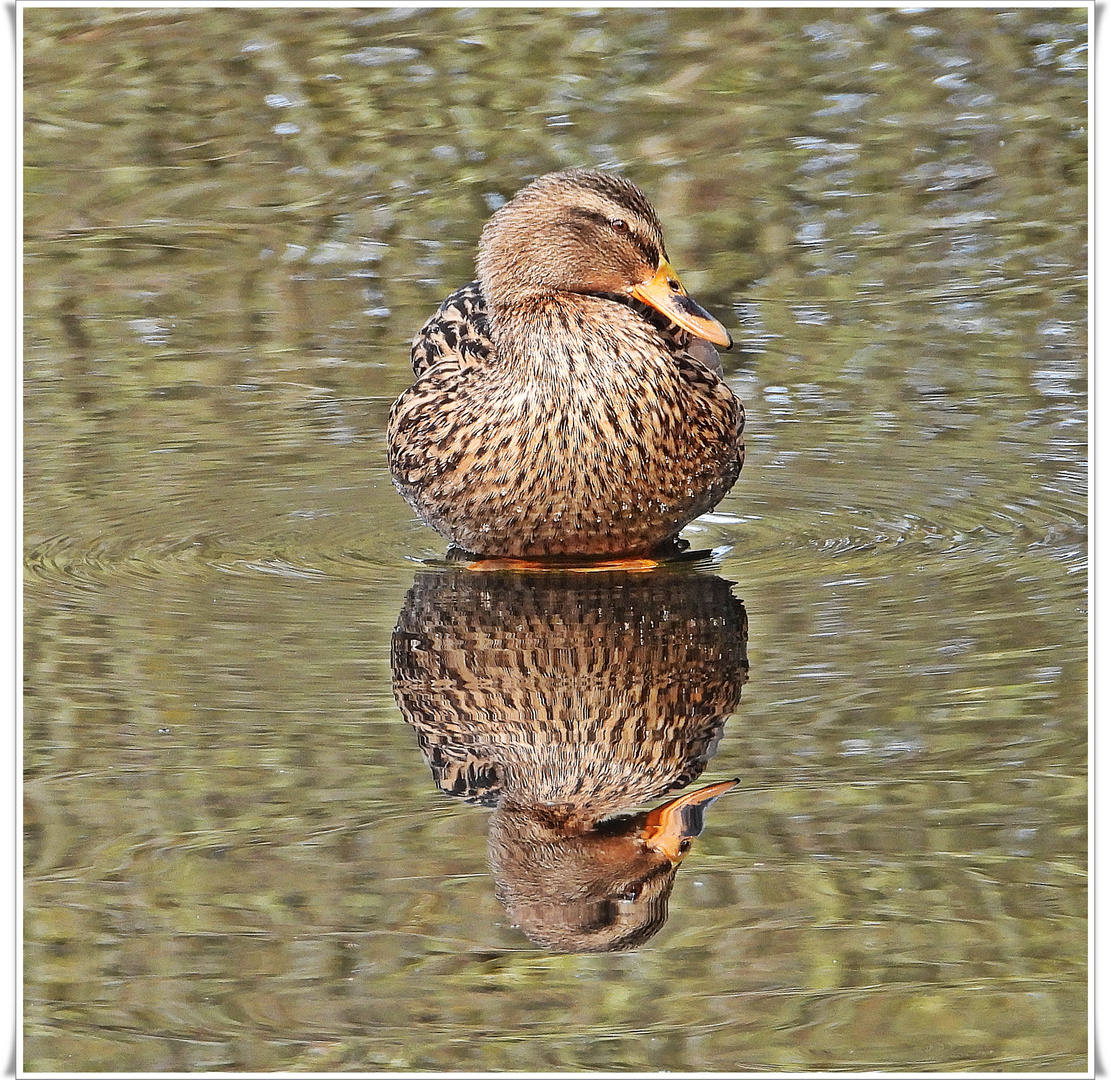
x=664, y=292
x=669, y=829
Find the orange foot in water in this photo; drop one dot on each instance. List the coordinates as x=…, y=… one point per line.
x=635, y=565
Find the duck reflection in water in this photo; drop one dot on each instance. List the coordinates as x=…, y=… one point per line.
x=564, y=701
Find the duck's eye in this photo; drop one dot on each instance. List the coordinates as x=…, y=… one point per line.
x=631, y=893
x=619, y=226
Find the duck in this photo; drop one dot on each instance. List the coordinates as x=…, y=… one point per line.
x=570, y=401
x=562, y=703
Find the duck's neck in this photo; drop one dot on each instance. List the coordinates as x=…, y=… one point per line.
x=553, y=336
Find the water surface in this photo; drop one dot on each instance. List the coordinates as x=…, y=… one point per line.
x=242, y=854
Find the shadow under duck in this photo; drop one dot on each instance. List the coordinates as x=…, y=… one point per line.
x=570, y=401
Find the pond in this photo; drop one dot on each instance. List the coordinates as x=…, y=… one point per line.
x=286, y=763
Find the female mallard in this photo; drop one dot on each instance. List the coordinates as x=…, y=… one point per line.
x=569, y=402
x=564, y=701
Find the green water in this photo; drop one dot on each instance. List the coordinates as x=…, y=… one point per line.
x=237, y=855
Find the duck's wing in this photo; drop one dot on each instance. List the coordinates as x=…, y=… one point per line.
x=459, y=330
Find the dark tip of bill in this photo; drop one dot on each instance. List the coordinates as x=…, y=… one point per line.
x=691, y=308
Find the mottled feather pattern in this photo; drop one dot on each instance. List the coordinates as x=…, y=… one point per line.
x=459, y=330
x=623, y=436
x=588, y=689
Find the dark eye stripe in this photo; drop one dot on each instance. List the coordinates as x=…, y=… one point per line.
x=645, y=247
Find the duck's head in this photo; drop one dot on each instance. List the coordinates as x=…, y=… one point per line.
x=584, y=231
x=579, y=885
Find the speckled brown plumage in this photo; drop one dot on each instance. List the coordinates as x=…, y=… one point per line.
x=565, y=701
x=569, y=402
